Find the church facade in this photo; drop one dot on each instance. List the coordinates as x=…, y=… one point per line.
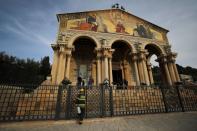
x=111, y=44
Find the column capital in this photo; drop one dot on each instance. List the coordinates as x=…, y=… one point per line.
x=171, y=57
x=162, y=59
x=124, y=65
x=106, y=52
x=61, y=51
x=68, y=54
x=142, y=56
x=110, y=53
x=98, y=57
x=134, y=56
x=98, y=49
x=106, y=48
x=65, y=48
x=55, y=47
x=172, y=54
x=143, y=51
x=98, y=52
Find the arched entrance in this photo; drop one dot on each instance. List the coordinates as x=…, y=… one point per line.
x=121, y=63
x=156, y=70
x=83, y=60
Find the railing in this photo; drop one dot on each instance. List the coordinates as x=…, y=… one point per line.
x=138, y=100
x=19, y=103
x=30, y=102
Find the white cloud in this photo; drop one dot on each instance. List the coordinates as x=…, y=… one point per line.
x=26, y=31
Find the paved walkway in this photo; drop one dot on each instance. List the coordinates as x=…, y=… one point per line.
x=153, y=122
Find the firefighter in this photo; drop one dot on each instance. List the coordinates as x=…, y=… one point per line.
x=81, y=105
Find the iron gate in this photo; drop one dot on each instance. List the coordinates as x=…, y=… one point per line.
x=97, y=101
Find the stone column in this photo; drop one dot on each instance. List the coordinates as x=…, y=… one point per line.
x=140, y=69
x=61, y=68
x=68, y=55
x=150, y=73
x=167, y=74
x=110, y=52
x=110, y=71
x=176, y=72
x=162, y=61
x=134, y=59
x=54, y=70
x=106, y=67
x=102, y=69
x=144, y=67
x=125, y=72
x=98, y=62
x=105, y=64
x=141, y=75
x=145, y=72
x=172, y=67
x=122, y=71
x=171, y=70
x=163, y=74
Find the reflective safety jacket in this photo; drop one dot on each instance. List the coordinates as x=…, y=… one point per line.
x=81, y=101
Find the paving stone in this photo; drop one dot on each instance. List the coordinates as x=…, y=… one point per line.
x=153, y=122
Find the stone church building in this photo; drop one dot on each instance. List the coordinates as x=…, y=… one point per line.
x=111, y=44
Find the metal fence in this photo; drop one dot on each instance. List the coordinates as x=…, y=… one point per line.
x=138, y=100
x=19, y=103
x=30, y=102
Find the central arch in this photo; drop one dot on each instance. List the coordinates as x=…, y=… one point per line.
x=121, y=63
x=83, y=60
x=92, y=38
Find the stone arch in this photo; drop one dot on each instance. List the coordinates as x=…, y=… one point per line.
x=158, y=48
x=131, y=45
x=122, y=62
x=158, y=76
x=75, y=37
x=83, y=59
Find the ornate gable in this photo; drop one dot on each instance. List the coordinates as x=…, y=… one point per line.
x=111, y=21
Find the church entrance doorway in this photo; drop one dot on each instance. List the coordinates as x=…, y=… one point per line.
x=117, y=77
x=121, y=63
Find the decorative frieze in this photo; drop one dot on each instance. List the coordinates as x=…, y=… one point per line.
x=110, y=36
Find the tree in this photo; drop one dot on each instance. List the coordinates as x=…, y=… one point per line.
x=156, y=75
x=188, y=71
x=20, y=71
x=45, y=67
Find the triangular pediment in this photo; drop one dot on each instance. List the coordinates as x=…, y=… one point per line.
x=111, y=21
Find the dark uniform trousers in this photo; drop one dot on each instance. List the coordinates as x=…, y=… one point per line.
x=81, y=104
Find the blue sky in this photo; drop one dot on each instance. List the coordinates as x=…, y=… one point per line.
x=28, y=27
